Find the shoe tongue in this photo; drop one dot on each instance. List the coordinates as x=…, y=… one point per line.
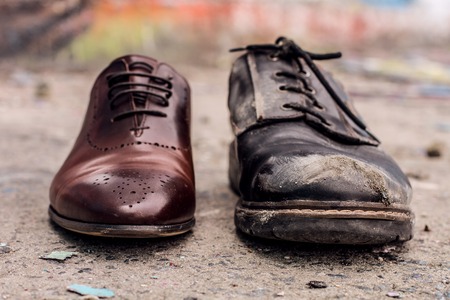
x=135, y=100
x=140, y=99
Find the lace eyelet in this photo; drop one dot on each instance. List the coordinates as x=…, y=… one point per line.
x=320, y=107
x=311, y=90
x=285, y=107
x=273, y=57
x=305, y=73
x=282, y=88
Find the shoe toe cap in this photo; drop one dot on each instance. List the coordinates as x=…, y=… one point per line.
x=127, y=197
x=328, y=177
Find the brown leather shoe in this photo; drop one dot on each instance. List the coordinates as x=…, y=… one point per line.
x=303, y=162
x=130, y=172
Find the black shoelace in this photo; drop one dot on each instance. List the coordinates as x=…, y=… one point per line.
x=157, y=90
x=285, y=48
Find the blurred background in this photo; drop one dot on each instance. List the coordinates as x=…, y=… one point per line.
x=87, y=32
x=395, y=40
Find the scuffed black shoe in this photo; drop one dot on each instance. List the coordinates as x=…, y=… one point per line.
x=304, y=164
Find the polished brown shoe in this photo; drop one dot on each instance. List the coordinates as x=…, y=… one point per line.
x=303, y=162
x=130, y=172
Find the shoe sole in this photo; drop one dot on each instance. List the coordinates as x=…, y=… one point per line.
x=121, y=231
x=333, y=222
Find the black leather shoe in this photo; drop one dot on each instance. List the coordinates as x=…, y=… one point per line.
x=303, y=162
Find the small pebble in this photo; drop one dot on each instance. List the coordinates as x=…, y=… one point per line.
x=280, y=294
x=317, y=284
x=426, y=229
x=4, y=248
x=393, y=294
x=435, y=149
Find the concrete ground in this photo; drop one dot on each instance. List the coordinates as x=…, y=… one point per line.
x=41, y=113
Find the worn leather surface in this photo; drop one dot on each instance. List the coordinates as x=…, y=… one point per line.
x=137, y=170
x=256, y=99
x=281, y=154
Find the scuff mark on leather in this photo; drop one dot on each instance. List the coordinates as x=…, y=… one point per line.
x=290, y=174
x=375, y=181
x=262, y=217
